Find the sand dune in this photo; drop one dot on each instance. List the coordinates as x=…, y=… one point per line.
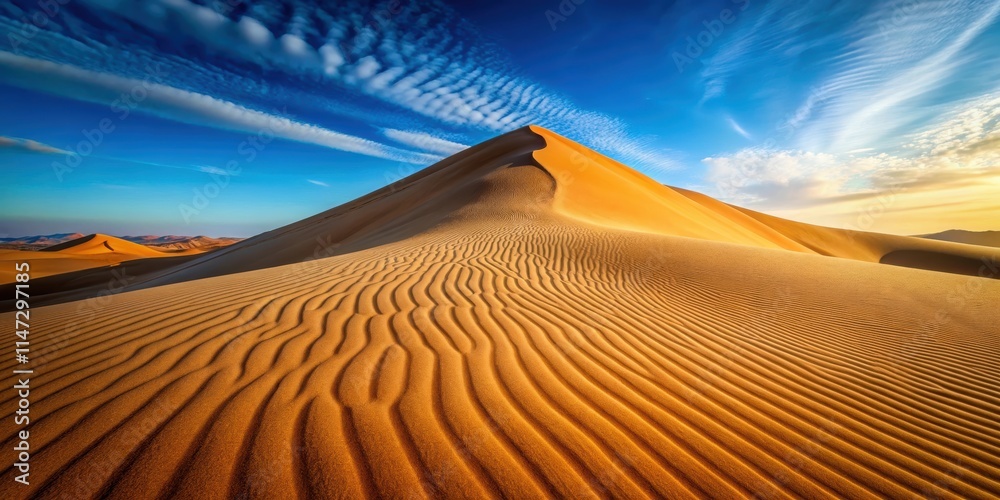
x=36, y=242
x=86, y=252
x=173, y=242
x=524, y=319
x=985, y=238
x=101, y=244
x=82, y=267
x=590, y=188
x=202, y=243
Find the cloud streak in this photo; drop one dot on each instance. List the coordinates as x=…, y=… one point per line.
x=875, y=71
x=904, y=52
x=424, y=141
x=18, y=144
x=957, y=156
x=737, y=128
x=420, y=58
x=185, y=106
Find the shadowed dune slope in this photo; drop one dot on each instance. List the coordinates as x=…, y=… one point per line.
x=87, y=252
x=861, y=245
x=586, y=186
x=480, y=332
x=55, y=281
x=95, y=244
x=985, y=238
x=943, y=262
x=201, y=243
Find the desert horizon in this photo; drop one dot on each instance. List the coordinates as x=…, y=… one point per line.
x=527, y=328
x=385, y=249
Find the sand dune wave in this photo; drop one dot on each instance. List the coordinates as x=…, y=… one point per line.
x=493, y=337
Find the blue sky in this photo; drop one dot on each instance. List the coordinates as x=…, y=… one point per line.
x=233, y=117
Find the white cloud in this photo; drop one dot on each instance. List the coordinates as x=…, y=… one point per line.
x=759, y=176
x=902, y=54
x=972, y=128
x=882, y=68
x=424, y=141
x=737, y=128
x=28, y=145
x=753, y=43
x=446, y=74
x=214, y=170
x=318, y=183
x=185, y=106
x=961, y=149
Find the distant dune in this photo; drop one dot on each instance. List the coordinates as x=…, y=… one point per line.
x=43, y=239
x=85, y=252
x=99, y=253
x=984, y=238
x=526, y=319
x=169, y=242
x=100, y=244
x=149, y=239
x=36, y=242
x=203, y=243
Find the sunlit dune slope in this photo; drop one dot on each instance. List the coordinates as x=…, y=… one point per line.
x=588, y=186
x=95, y=244
x=500, y=326
x=985, y=238
x=87, y=252
x=200, y=243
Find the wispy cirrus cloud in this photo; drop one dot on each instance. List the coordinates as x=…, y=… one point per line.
x=902, y=53
x=892, y=96
x=733, y=124
x=769, y=36
x=956, y=158
x=420, y=58
x=185, y=106
x=872, y=72
x=215, y=170
x=18, y=144
x=424, y=141
x=318, y=183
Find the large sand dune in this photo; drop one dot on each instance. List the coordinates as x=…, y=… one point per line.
x=525, y=319
x=86, y=252
x=99, y=244
x=985, y=238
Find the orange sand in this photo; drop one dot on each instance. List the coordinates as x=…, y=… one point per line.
x=95, y=250
x=525, y=319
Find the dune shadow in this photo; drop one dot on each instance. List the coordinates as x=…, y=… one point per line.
x=400, y=210
x=941, y=262
x=90, y=283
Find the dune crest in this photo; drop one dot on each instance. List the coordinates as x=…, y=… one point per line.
x=101, y=244
x=74, y=256
x=984, y=238
x=502, y=324
x=583, y=185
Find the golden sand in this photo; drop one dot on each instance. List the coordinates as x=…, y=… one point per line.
x=525, y=319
